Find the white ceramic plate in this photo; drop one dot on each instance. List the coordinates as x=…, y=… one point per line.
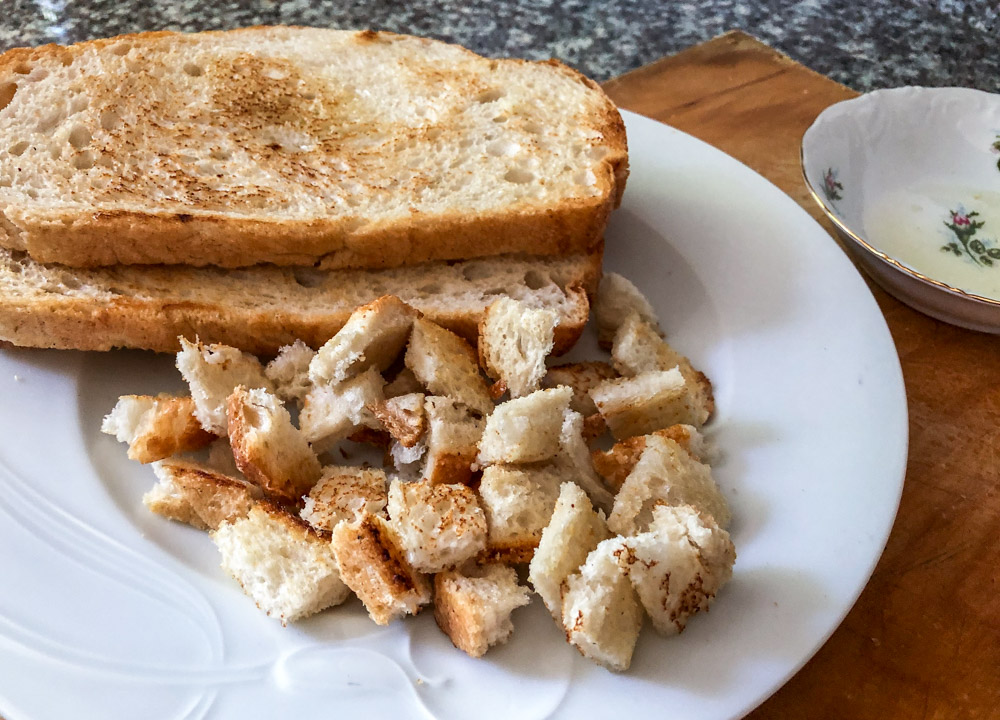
x=110, y=612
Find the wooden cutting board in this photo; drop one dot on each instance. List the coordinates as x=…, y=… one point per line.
x=923, y=641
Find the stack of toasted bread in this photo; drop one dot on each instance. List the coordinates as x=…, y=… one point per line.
x=254, y=187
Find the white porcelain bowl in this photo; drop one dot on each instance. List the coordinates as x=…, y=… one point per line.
x=910, y=177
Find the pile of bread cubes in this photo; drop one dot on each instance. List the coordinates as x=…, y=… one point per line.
x=476, y=491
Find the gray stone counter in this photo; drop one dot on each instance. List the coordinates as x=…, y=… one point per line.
x=864, y=45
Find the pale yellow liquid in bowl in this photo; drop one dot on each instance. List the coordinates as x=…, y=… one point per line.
x=932, y=231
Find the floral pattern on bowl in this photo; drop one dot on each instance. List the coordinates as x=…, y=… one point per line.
x=901, y=174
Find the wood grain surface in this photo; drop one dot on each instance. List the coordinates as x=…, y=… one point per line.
x=923, y=640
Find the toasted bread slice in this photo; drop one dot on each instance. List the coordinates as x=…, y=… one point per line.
x=332, y=412
x=438, y=526
x=403, y=416
x=614, y=465
x=601, y=612
x=373, y=564
x=372, y=337
x=678, y=565
x=638, y=348
x=262, y=309
x=473, y=606
x=617, y=298
x=526, y=429
x=289, y=371
x=446, y=365
x=300, y=146
x=199, y=496
x=286, y=566
x=269, y=450
x=453, y=434
x=518, y=501
x=650, y=401
x=344, y=493
x=574, y=530
x=666, y=473
x=514, y=341
x=213, y=372
x=156, y=427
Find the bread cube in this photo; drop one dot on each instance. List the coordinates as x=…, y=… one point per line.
x=344, y=493
x=575, y=461
x=372, y=337
x=404, y=383
x=438, y=526
x=473, y=606
x=220, y=458
x=194, y=494
x=156, y=427
x=614, y=465
x=453, y=435
x=269, y=450
x=213, y=372
x=403, y=417
x=526, y=429
x=617, y=297
x=287, y=567
x=581, y=376
x=289, y=371
x=373, y=564
x=645, y=403
x=332, y=412
x=601, y=612
x=638, y=348
x=446, y=365
x=678, y=565
x=573, y=531
x=665, y=473
x=518, y=502
x=514, y=340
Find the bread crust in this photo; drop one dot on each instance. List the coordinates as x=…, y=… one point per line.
x=200, y=234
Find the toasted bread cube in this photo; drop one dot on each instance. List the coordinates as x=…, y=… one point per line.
x=573, y=531
x=669, y=474
x=446, y=365
x=372, y=337
x=404, y=383
x=269, y=450
x=614, y=465
x=403, y=417
x=518, y=502
x=213, y=372
x=574, y=458
x=617, y=297
x=526, y=429
x=645, y=403
x=195, y=494
x=601, y=612
x=374, y=566
x=581, y=376
x=678, y=565
x=332, y=412
x=287, y=567
x=473, y=606
x=344, y=493
x=514, y=340
x=453, y=436
x=438, y=526
x=156, y=427
x=289, y=371
x=638, y=348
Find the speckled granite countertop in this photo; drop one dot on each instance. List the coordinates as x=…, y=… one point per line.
x=864, y=45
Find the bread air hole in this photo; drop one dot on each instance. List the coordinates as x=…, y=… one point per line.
x=110, y=119
x=220, y=154
x=22, y=68
x=535, y=280
x=473, y=273
x=193, y=69
x=79, y=137
x=18, y=148
x=84, y=161
x=121, y=49
x=519, y=176
x=7, y=91
x=489, y=96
